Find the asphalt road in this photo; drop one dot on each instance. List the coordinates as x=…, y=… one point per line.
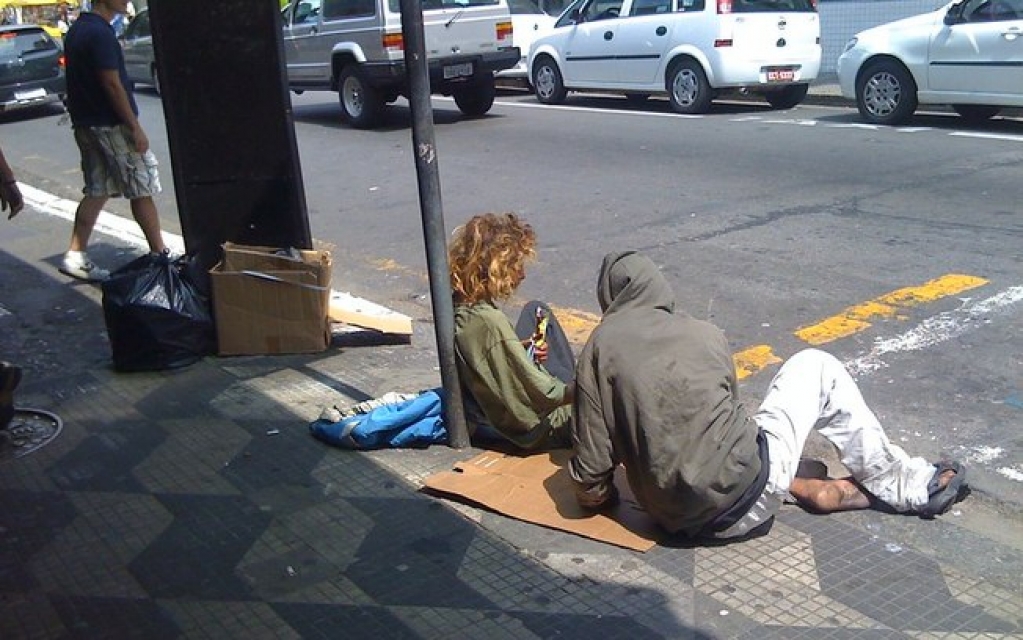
x=897, y=249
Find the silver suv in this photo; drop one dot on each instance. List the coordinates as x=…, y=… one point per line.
x=355, y=47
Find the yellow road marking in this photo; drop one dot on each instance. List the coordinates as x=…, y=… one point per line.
x=578, y=325
x=855, y=318
x=753, y=360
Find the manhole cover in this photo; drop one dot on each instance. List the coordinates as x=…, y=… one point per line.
x=30, y=430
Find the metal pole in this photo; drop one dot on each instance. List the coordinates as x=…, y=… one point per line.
x=428, y=174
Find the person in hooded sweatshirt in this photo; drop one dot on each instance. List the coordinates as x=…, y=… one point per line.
x=656, y=391
x=515, y=380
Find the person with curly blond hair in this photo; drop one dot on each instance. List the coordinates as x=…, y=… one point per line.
x=517, y=381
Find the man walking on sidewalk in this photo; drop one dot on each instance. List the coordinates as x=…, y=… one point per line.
x=116, y=159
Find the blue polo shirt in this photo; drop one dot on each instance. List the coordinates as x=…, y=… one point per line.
x=90, y=46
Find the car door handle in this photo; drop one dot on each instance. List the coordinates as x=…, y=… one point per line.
x=661, y=31
x=1012, y=33
x=608, y=35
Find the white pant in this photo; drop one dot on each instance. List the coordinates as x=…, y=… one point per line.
x=812, y=390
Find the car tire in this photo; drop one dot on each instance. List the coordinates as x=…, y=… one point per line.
x=788, y=97
x=886, y=93
x=688, y=89
x=361, y=105
x=548, y=84
x=976, y=112
x=476, y=97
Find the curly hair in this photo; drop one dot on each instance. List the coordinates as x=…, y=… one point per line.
x=486, y=256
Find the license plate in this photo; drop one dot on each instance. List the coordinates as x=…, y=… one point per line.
x=34, y=94
x=781, y=75
x=458, y=70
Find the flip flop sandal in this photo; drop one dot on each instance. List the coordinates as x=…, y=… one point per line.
x=942, y=498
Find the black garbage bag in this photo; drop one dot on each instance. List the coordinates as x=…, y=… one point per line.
x=156, y=316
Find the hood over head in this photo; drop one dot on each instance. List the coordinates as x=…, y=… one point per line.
x=629, y=279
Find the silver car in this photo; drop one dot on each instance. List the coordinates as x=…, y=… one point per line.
x=139, y=60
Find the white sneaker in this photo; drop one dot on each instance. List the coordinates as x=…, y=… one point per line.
x=78, y=265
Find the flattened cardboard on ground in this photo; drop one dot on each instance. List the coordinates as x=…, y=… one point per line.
x=346, y=308
x=537, y=488
x=265, y=303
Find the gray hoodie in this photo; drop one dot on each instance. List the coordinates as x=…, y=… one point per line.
x=656, y=391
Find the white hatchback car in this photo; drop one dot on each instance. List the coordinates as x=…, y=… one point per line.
x=691, y=49
x=968, y=54
x=531, y=19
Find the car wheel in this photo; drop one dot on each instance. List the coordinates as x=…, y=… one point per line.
x=361, y=104
x=688, y=89
x=476, y=97
x=886, y=93
x=636, y=99
x=788, y=97
x=155, y=80
x=976, y=112
x=547, y=81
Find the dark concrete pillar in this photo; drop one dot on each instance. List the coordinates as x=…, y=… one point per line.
x=229, y=122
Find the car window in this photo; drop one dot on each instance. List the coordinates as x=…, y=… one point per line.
x=306, y=11
x=649, y=7
x=139, y=27
x=536, y=7
x=15, y=44
x=428, y=5
x=992, y=10
x=601, y=10
x=524, y=7
x=333, y=9
x=754, y=6
x=553, y=7
x=691, y=5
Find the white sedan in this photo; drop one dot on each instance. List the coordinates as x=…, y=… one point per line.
x=968, y=54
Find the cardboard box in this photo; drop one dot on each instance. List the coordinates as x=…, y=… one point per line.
x=537, y=488
x=265, y=303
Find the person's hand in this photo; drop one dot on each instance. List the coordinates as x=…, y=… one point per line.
x=140, y=138
x=10, y=197
x=538, y=352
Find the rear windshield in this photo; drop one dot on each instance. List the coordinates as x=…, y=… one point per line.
x=537, y=7
x=755, y=6
x=433, y=5
x=14, y=44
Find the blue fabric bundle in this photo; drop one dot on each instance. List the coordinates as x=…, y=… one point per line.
x=418, y=422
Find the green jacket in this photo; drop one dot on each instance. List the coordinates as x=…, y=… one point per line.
x=517, y=397
x=656, y=391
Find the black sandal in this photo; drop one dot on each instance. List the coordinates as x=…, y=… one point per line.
x=942, y=498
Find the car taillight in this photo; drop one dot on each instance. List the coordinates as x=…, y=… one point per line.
x=724, y=6
x=62, y=61
x=723, y=42
x=504, y=30
x=393, y=42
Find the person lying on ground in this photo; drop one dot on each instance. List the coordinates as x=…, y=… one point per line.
x=516, y=388
x=656, y=391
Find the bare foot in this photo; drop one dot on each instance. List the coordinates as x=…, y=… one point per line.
x=830, y=495
x=946, y=477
